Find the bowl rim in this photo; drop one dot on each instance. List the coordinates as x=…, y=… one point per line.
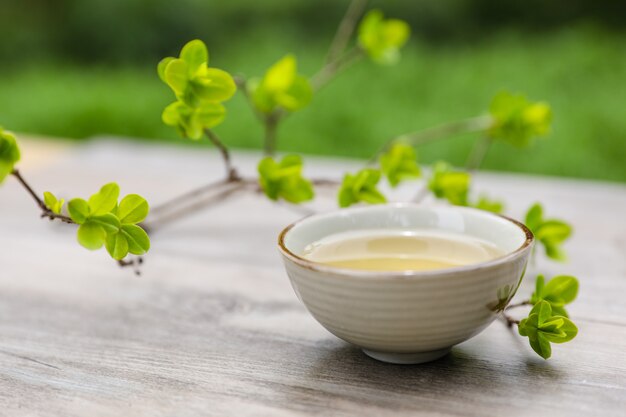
x=348, y=272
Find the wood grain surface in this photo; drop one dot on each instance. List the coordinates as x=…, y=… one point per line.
x=213, y=328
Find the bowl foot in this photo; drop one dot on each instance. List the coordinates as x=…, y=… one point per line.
x=407, y=358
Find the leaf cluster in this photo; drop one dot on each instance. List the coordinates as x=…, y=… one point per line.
x=9, y=153
x=104, y=221
x=284, y=179
x=382, y=38
x=399, y=163
x=450, y=184
x=281, y=87
x=361, y=187
x=543, y=326
x=551, y=233
x=518, y=120
x=558, y=292
x=199, y=89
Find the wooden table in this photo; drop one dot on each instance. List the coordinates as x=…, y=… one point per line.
x=213, y=328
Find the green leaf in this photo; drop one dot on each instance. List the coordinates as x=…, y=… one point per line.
x=550, y=233
x=534, y=216
x=281, y=86
x=399, y=163
x=9, y=153
x=541, y=346
x=161, y=67
x=176, y=75
x=562, y=287
x=104, y=200
x=568, y=331
x=195, y=54
x=450, y=184
x=382, y=38
x=542, y=326
x=91, y=235
x=484, y=203
x=78, y=210
x=213, y=85
x=132, y=209
x=518, y=120
x=539, y=284
x=117, y=245
x=559, y=291
x=191, y=122
x=137, y=239
x=109, y=222
x=281, y=75
x=543, y=311
x=361, y=187
x=284, y=179
x=55, y=205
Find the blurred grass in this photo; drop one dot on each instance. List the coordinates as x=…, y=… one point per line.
x=579, y=71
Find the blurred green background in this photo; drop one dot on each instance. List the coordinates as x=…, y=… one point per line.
x=80, y=68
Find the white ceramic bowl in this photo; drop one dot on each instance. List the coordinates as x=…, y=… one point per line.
x=412, y=316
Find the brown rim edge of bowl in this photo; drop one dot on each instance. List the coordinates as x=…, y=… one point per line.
x=316, y=266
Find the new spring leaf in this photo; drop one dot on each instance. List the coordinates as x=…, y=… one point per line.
x=281, y=86
x=382, y=38
x=192, y=80
x=450, y=184
x=518, y=120
x=399, y=163
x=284, y=179
x=199, y=89
x=559, y=291
x=361, y=187
x=52, y=202
x=102, y=221
x=543, y=327
x=551, y=233
x=9, y=153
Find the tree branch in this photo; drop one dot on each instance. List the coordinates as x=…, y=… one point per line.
x=510, y=321
x=241, y=83
x=231, y=173
x=346, y=29
x=45, y=211
x=194, y=206
x=478, y=153
x=520, y=304
x=444, y=131
x=195, y=193
x=271, y=126
x=134, y=263
x=333, y=68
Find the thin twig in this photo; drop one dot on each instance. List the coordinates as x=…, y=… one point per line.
x=45, y=211
x=478, y=153
x=231, y=173
x=134, y=263
x=242, y=86
x=421, y=194
x=298, y=209
x=510, y=321
x=190, y=195
x=271, y=126
x=520, y=304
x=219, y=197
x=332, y=69
x=346, y=29
x=447, y=130
x=322, y=182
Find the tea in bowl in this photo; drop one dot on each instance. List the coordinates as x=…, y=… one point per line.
x=405, y=282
